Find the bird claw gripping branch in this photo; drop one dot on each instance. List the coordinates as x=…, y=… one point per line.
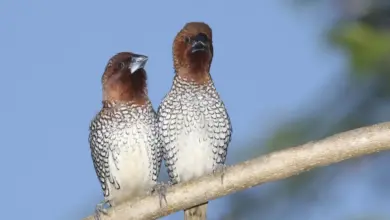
x=220, y=169
x=100, y=209
x=161, y=189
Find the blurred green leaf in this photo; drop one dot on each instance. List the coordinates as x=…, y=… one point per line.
x=290, y=134
x=367, y=47
x=368, y=50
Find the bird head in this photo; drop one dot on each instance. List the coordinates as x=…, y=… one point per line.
x=193, y=51
x=124, y=78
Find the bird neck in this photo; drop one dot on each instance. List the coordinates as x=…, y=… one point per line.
x=180, y=83
x=200, y=77
x=116, y=103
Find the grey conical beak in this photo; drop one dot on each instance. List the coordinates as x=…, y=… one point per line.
x=137, y=62
x=200, y=43
x=198, y=46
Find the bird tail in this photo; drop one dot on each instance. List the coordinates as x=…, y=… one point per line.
x=196, y=212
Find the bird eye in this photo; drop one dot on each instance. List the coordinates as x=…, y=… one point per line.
x=121, y=65
x=187, y=39
x=202, y=37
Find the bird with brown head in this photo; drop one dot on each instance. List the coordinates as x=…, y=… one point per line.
x=194, y=126
x=193, y=52
x=124, y=78
x=124, y=142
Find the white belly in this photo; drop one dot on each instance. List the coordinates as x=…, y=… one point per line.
x=132, y=170
x=195, y=155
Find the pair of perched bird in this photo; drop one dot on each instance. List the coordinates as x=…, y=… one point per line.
x=191, y=129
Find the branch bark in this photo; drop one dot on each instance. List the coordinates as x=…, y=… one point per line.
x=274, y=166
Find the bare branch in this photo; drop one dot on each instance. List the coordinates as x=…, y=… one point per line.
x=267, y=168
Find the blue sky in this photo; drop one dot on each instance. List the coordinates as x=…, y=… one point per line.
x=268, y=61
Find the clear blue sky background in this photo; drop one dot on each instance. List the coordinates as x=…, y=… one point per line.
x=268, y=61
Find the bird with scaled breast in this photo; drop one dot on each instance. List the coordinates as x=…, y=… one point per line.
x=123, y=138
x=194, y=126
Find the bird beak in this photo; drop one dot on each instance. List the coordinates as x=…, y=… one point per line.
x=137, y=62
x=200, y=43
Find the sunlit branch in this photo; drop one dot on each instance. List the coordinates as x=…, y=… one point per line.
x=271, y=167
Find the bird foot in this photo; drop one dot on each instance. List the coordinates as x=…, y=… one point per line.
x=161, y=189
x=100, y=209
x=220, y=169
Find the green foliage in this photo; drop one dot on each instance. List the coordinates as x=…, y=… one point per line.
x=367, y=47
x=368, y=50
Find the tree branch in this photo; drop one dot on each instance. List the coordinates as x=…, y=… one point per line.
x=274, y=166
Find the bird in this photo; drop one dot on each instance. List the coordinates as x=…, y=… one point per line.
x=123, y=137
x=194, y=126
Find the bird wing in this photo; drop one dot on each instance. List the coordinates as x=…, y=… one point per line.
x=156, y=147
x=166, y=130
x=220, y=130
x=101, y=145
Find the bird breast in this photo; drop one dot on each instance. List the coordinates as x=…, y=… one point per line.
x=131, y=162
x=192, y=129
x=195, y=154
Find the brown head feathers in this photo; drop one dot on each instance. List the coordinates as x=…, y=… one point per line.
x=193, y=52
x=124, y=79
